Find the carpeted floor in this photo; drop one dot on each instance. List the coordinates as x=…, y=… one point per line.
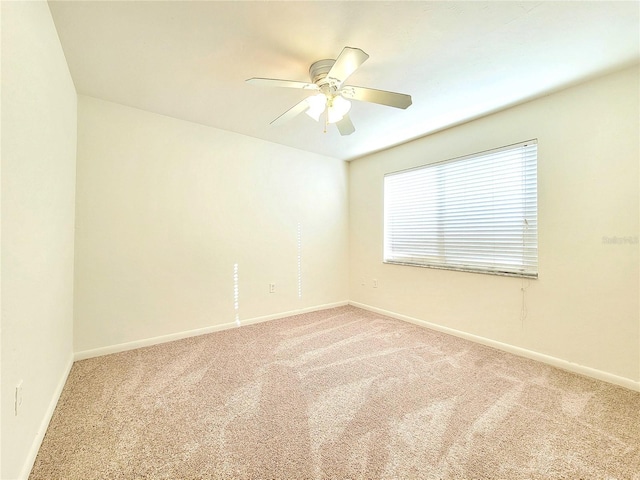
x=337, y=394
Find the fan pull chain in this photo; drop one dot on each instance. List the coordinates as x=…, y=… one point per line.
x=524, y=311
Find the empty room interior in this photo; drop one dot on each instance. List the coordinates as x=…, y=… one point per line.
x=335, y=239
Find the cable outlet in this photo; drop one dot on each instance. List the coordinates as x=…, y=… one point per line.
x=18, y=399
x=272, y=288
x=375, y=283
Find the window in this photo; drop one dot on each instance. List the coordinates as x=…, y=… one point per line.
x=476, y=213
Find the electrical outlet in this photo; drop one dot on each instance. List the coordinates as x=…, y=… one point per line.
x=375, y=283
x=272, y=288
x=363, y=282
x=18, y=398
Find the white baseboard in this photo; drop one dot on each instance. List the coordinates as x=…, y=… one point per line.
x=293, y=312
x=147, y=342
x=523, y=352
x=37, y=441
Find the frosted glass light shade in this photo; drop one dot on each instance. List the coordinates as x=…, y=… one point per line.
x=317, y=104
x=338, y=109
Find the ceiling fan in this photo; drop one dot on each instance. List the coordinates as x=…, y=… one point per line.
x=327, y=77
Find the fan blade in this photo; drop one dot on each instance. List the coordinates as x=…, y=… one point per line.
x=294, y=111
x=347, y=63
x=382, y=97
x=274, y=82
x=345, y=126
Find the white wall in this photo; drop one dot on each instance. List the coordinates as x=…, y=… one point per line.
x=165, y=208
x=583, y=309
x=38, y=175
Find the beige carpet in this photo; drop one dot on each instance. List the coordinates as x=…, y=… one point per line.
x=341, y=393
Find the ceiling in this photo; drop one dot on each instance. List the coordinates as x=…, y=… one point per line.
x=458, y=60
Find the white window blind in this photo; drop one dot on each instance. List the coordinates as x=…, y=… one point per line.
x=476, y=213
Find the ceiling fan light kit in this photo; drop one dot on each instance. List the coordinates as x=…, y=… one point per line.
x=327, y=77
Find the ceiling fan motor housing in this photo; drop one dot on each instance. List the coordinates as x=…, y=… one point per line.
x=318, y=73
